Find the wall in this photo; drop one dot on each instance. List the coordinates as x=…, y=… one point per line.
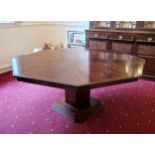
x=58, y=30
x=21, y=39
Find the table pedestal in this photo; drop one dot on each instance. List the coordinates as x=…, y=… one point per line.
x=77, y=105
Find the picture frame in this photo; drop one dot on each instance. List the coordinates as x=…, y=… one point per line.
x=76, y=39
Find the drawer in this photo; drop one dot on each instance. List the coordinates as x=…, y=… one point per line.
x=121, y=37
x=146, y=50
x=97, y=35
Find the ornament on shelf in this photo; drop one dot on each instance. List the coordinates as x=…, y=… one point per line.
x=46, y=46
x=52, y=46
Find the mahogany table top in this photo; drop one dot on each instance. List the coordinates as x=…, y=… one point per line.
x=77, y=68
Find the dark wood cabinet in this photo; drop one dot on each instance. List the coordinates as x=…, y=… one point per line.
x=132, y=37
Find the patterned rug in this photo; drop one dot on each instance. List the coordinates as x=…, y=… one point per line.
x=27, y=108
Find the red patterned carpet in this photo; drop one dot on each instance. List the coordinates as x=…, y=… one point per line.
x=26, y=108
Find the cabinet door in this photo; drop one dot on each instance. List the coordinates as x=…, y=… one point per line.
x=100, y=24
x=148, y=53
x=148, y=25
x=126, y=25
x=149, y=67
x=97, y=45
x=146, y=50
x=122, y=47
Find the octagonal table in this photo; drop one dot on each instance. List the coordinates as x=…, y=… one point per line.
x=77, y=71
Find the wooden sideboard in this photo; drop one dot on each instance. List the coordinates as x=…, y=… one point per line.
x=136, y=42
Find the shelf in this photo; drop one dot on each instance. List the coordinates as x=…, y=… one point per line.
x=128, y=29
x=123, y=25
x=145, y=42
x=122, y=40
x=99, y=38
x=101, y=27
x=145, y=56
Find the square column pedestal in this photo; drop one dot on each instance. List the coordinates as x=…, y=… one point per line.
x=77, y=105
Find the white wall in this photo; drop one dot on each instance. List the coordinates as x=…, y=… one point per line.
x=58, y=30
x=21, y=39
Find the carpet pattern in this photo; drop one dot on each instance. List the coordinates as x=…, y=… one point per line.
x=26, y=108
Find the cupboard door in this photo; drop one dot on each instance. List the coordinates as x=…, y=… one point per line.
x=149, y=67
x=148, y=25
x=125, y=24
x=146, y=50
x=100, y=24
x=122, y=47
x=97, y=45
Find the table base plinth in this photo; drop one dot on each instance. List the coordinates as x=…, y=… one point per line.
x=74, y=114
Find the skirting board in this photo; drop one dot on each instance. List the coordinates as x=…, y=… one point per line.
x=5, y=68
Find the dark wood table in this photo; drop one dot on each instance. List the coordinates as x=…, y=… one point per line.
x=77, y=71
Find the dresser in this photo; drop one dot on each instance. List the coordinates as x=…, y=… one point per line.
x=136, y=38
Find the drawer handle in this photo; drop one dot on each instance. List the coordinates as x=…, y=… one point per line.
x=120, y=37
x=95, y=35
x=149, y=39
